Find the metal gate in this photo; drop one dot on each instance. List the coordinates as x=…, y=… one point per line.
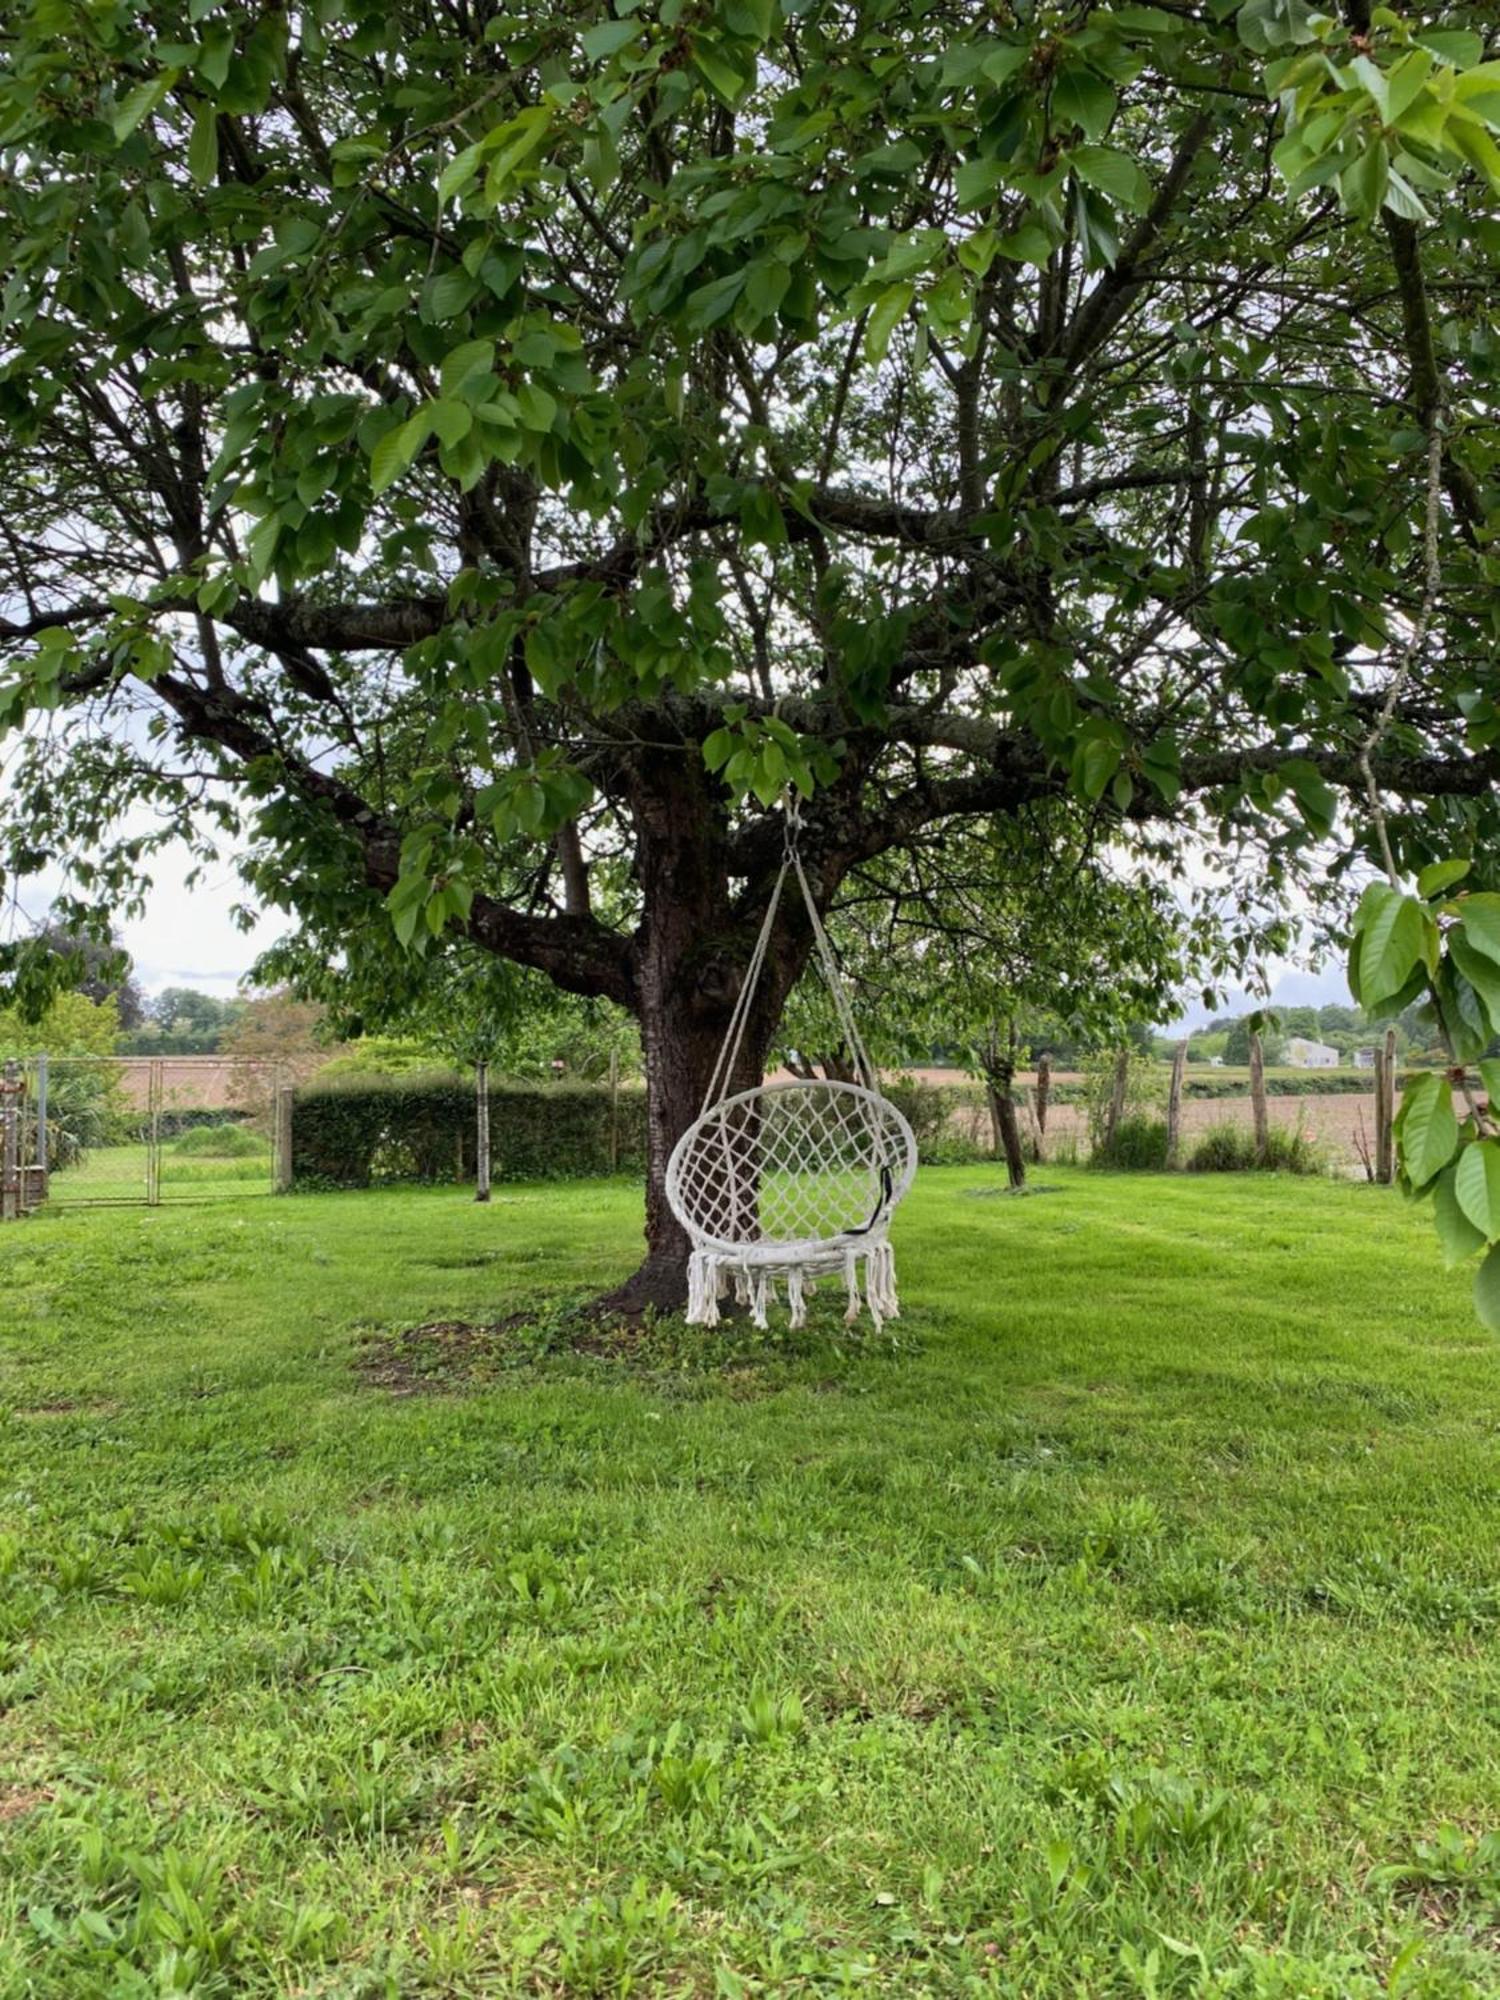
x=96, y=1130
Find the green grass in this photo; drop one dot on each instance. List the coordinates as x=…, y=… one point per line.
x=1123, y=1621
x=118, y=1173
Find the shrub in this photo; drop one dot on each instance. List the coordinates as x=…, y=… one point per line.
x=357, y=1131
x=949, y=1121
x=1139, y=1145
x=1230, y=1149
x=220, y=1142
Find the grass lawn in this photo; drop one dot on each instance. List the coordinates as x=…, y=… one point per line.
x=1128, y=1624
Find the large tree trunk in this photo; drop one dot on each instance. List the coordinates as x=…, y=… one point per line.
x=691, y=954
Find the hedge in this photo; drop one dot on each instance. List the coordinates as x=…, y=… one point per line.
x=362, y=1131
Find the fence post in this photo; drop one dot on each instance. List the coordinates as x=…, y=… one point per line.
x=10, y=1142
x=281, y=1143
x=614, y=1111
x=1258, y=1097
x=1117, y=1096
x=1385, y=1110
x=1043, y=1099
x=1174, y=1105
x=482, y=1131
x=154, y=1088
x=42, y=1158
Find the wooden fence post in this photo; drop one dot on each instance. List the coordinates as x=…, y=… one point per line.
x=482, y=1131
x=154, y=1094
x=1117, y=1097
x=10, y=1142
x=1174, y=1105
x=1385, y=1110
x=281, y=1143
x=1258, y=1097
x=1043, y=1100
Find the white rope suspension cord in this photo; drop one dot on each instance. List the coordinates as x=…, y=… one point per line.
x=833, y=979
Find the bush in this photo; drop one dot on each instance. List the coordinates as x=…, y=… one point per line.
x=221, y=1142
x=363, y=1130
x=1139, y=1145
x=1230, y=1149
x=946, y=1119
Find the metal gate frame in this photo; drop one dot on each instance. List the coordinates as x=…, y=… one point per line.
x=33, y=1174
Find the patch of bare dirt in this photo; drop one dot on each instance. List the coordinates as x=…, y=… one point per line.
x=18, y=1800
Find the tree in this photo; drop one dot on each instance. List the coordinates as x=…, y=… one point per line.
x=982, y=936
x=1237, y=1047
x=489, y=455
x=100, y=971
x=278, y=1030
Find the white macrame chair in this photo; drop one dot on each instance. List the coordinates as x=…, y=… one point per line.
x=791, y=1182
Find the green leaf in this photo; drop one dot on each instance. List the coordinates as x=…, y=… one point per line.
x=448, y=295
x=1457, y=1235
x=396, y=451
x=1440, y=875
x=1030, y=244
x=976, y=182
x=1489, y=1076
x=1426, y=1129
x=1454, y=45
x=538, y=409
x=1112, y=173
x=714, y=301
x=450, y=420
x=1477, y=1186
x=1081, y=98
x=889, y=310
x=1392, y=940
x=1095, y=764
x=459, y=171
x=141, y=102
x=1487, y=1291
x=1315, y=799
x=460, y=367
x=718, y=748
x=1480, y=917
x=720, y=68
x=607, y=38
x=1481, y=973
x=203, y=147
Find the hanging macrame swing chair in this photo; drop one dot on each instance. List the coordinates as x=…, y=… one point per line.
x=791, y=1182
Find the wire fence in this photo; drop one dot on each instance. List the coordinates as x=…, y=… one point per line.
x=93, y=1130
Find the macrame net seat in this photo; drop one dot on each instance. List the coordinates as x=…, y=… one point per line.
x=791, y=1182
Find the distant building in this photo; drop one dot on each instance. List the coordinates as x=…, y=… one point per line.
x=1364, y=1059
x=1303, y=1054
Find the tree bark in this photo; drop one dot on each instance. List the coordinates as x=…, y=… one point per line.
x=1003, y=1112
x=999, y=1058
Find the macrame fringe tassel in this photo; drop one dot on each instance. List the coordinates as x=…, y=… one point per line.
x=796, y=1310
x=705, y=1284
x=710, y=1279
x=851, y=1285
x=880, y=1284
